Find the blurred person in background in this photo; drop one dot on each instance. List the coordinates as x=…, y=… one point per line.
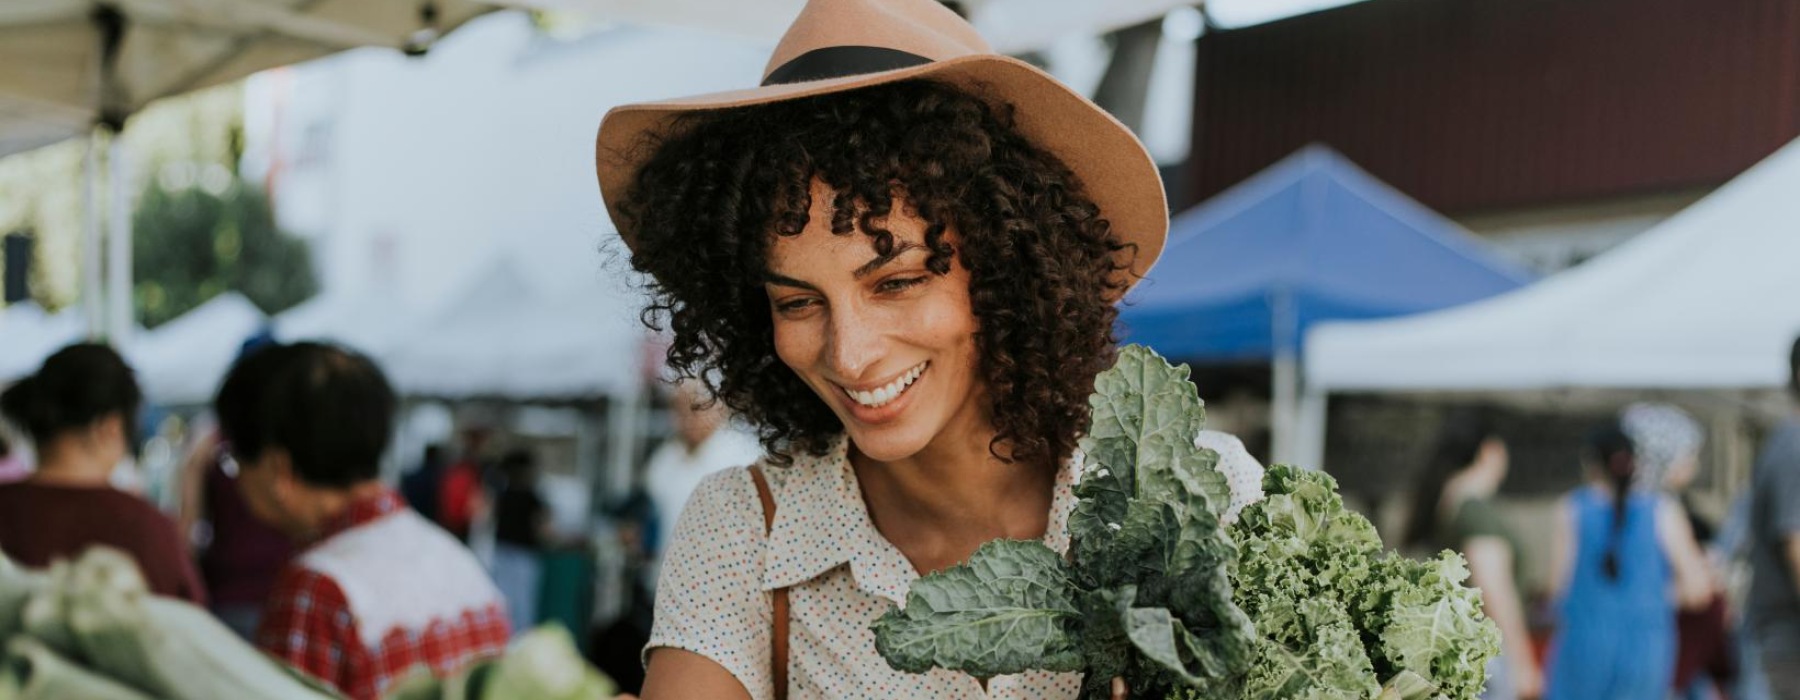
x=240, y=556
x=1454, y=509
x=376, y=590
x=704, y=442
x=12, y=466
x=1774, y=604
x=423, y=485
x=1619, y=552
x=78, y=410
x=1667, y=441
x=462, y=497
x=521, y=529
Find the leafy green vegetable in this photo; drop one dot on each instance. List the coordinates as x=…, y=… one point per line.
x=1015, y=593
x=1295, y=600
x=1340, y=618
x=90, y=629
x=1146, y=592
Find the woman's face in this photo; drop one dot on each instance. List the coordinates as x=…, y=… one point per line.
x=885, y=342
x=1681, y=472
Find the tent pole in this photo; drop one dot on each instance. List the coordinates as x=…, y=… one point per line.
x=625, y=419
x=118, y=249
x=92, y=305
x=1282, y=408
x=1286, y=392
x=1311, y=429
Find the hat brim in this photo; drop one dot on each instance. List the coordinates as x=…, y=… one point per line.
x=1117, y=173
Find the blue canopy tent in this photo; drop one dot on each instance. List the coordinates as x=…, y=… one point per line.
x=1310, y=239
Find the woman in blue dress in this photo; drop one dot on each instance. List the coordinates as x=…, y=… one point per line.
x=1624, y=560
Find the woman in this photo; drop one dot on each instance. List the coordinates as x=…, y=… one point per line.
x=1625, y=558
x=1454, y=509
x=78, y=411
x=897, y=260
x=1667, y=443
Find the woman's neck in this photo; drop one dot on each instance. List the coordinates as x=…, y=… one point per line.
x=939, y=505
x=65, y=462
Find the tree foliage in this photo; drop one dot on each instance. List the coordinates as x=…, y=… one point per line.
x=192, y=244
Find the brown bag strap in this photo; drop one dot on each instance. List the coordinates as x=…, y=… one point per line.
x=779, y=660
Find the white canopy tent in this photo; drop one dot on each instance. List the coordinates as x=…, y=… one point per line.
x=66, y=65
x=30, y=334
x=180, y=363
x=74, y=67
x=367, y=324
x=504, y=338
x=1710, y=299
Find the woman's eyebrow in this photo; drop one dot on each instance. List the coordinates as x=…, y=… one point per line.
x=771, y=277
x=880, y=260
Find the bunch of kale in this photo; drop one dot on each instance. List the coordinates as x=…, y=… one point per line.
x=1294, y=600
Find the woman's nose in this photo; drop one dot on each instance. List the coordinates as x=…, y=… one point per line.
x=853, y=345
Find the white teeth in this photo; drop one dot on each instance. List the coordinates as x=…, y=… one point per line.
x=881, y=396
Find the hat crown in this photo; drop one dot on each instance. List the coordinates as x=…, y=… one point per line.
x=925, y=28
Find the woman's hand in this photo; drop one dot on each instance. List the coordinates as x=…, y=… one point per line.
x=1120, y=692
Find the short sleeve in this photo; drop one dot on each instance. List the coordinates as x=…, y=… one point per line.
x=1243, y=474
x=709, y=598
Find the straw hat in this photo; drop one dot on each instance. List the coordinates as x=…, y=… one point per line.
x=840, y=45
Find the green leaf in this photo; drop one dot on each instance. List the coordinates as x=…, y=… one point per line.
x=1011, y=608
x=1437, y=629
x=1331, y=664
x=1154, y=407
x=1407, y=686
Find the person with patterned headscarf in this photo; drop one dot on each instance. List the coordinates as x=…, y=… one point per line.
x=1667, y=442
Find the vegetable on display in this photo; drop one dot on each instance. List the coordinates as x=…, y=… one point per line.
x=90, y=629
x=1295, y=599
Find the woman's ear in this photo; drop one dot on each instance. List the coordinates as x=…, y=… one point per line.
x=281, y=468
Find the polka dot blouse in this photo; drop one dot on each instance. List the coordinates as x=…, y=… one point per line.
x=713, y=598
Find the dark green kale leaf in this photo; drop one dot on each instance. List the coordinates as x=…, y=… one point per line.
x=1146, y=593
x=1009, y=609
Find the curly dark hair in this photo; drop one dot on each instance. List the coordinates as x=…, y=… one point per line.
x=1044, y=266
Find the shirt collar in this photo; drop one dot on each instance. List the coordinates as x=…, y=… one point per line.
x=362, y=511
x=821, y=522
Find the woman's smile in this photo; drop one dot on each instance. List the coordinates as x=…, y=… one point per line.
x=885, y=401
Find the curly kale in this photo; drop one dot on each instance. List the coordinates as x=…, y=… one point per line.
x=1146, y=591
x=1296, y=599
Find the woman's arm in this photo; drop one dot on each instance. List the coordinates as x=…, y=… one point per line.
x=679, y=674
x=1693, y=580
x=1491, y=570
x=1562, y=549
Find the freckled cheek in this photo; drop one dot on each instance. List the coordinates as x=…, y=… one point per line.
x=797, y=345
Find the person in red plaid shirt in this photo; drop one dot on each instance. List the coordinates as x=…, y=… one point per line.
x=376, y=589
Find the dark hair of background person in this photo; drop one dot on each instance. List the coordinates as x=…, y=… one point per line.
x=1794, y=367
x=5, y=447
x=330, y=408
x=518, y=466
x=1459, y=441
x=78, y=385
x=1043, y=264
x=1611, y=450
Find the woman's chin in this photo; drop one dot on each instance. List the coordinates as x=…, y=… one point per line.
x=888, y=444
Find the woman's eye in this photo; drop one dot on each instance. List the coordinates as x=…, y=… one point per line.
x=791, y=306
x=899, y=283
